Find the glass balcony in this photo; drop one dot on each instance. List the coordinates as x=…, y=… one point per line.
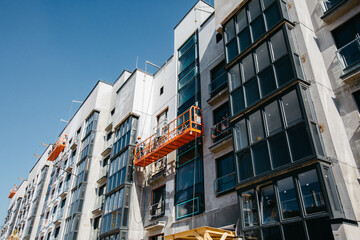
x=99, y=202
x=157, y=209
x=218, y=84
x=221, y=129
x=225, y=183
x=326, y=5
x=349, y=55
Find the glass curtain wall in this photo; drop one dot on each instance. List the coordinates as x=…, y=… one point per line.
x=115, y=212
x=189, y=197
x=72, y=223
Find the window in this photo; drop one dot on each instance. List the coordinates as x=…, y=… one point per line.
x=91, y=123
x=115, y=212
x=157, y=237
x=218, y=79
x=268, y=209
x=218, y=37
x=158, y=202
x=226, y=174
x=262, y=72
x=276, y=135
x=82, y=170
x=357, y=98
x=161, y=90
x=96, y=223
x=189, y=187
x=221, y=126
x=117, y=171
x=347, y=40
x=250, y=24
x=124, y=135
x=112, y=112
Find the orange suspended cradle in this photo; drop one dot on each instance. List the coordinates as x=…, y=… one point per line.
x=13, y=191
x=185, y=128
x=58, y=147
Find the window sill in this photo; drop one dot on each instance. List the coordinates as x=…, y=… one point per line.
x=221, y=144
x=351, y=74
x=338, y=10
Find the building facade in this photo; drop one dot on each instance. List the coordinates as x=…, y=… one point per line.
x=250, y=130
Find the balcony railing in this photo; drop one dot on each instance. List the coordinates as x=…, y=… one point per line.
x=326, y=5
x=221, y=129
x=157, y=209
x=225, y=183
x=349, y=55
x=218, y=84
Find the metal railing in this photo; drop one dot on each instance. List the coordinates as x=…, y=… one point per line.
x=189, y=121
x=157, y=209
x=349, y=55
x=221, y=129
x=326, y=5
x=225, y=183
x=218, y=84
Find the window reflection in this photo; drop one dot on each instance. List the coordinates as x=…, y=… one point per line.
x=289, y=204
x=268, y=204
x=311, y=190
x=249, y=208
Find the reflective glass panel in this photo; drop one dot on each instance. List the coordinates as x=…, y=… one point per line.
x=278, y=45
x=262, y=57
x=291, y=108
x=234, y=77
x=237, y=101
x=251, y=92
x=294, y=231
x=249, y=205
x=279, y=151
x=267, y=81
x=287, y=194
x=241, y=136
x=248, y=67
x=300, y=144
x=273, y=118
x=311, y=191
x=256, y=126
x=241, y=20
x=268, y=205
x=261, y=158
x=245, y=166
x=273, y=233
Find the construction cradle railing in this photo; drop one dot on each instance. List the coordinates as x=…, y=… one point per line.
x=185, y=128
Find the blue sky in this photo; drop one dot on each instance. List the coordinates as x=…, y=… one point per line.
x=53, y=52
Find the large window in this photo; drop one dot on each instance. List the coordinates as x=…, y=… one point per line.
x=265, y=69
x=117, y=171
x=189, y=170
x=286, y=204
x=250, y=23
x=115, y=213
x=276, y=134
x=158, y=202
x=357, y=99
x=124, y=135
x=218, y=79
x=347, y=40
x=221, y=126
x=188, y=80
x=226, y=174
